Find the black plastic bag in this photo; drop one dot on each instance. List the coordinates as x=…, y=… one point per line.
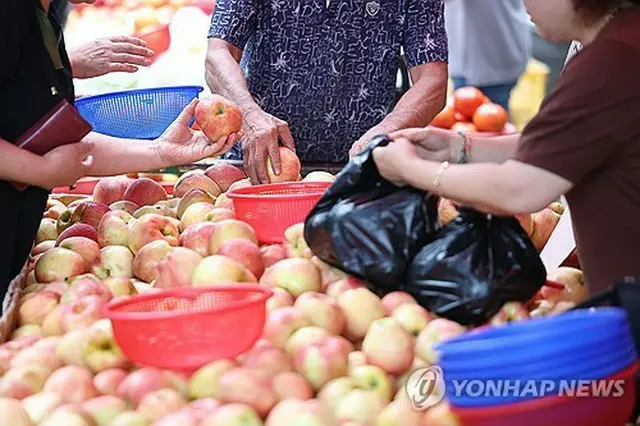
x=368, y=227
x=474, y=265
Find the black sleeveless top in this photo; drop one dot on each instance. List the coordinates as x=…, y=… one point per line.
x=30, y=84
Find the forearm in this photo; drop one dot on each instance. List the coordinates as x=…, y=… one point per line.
x=487, y=149
x=19, y=165
x=113, y=156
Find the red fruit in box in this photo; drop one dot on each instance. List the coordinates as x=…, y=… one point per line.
x=466, y=100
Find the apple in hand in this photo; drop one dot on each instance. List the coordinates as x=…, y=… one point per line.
x=152, y=227
x=290, y=167
x=218, y=117
x=59, y=264
x=197, y=236
x=295, y=275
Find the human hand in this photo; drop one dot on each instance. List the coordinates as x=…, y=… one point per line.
x=180, y=144
x=112, y=54
x=361, y=144
x=64, y=165
x=393, y=160
x=263, y=132
x=431, y=143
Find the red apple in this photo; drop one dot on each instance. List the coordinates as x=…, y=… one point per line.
x=157, y=404
x=89, y=212
x=245, y=252
x=394, y=299
x=72, y=383
x=195, y=179
x=291, y=385
x=82, y=313
x=107, y=381
x=273, y=254
x=176, y=270
x=268, y=359
x=145, y=192
x=146, y=261
x=289, y=167
x=218, y=117
x=43, y=247
x=197, y=236
x=85, y=247
x=141, y=383
x=246, y=386
x=152, y=227
x=78, y=230
x=111, y=189
x=225, y=175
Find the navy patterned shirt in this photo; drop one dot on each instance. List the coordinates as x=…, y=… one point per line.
x=329, y=71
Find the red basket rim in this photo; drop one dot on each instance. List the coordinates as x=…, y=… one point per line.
x=111, y=309
x=554, y=284
x=254, y=192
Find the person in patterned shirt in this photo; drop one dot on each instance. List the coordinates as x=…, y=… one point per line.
x=319, y=76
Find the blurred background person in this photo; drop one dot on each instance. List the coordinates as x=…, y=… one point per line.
x=489, y=45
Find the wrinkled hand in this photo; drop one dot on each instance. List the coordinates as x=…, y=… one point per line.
x=63, y=166
x=111, y=54
x=263, y=133
x=180, y=144
x=392, y=160
x=365, y=140
x=431, y=144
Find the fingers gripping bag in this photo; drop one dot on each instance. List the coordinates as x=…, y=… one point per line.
x=473, y=266
x=368, y=227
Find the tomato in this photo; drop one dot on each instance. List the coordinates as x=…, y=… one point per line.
x=487, y=100
x=460, y=118
x=490, y=118
x=445, y=118
x=464, y=127
x=467, y=100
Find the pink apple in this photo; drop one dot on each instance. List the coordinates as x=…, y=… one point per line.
x=201, y=408
x=323, y=311
x=145, y=192
x=178, y=418
x=114, y=229
x=68, y=416
x=273, y=254
x=37, y=355
x=246, y=386
x=41, y=405
x=245, y=252
x=5, y=359
x=234, y=414
x=78, y=230
x=89, y=212
x=59, y=264
x=159, y=403
x=205, y=383
x=104, y=409
x=107, y=381
x=329, y=273
x=152, y=227
x=111, y=189
x=82, y=313
x=361, y=308
x=282, y=323
x=72, y=383
x=295, y=275
x=43, y=247
x=231, y=229
x=224, y=202
x=388, y=346
x=216, y=269
x=224, y=175
x=36, y=308
x=125, y=206
x=12, y=413
x=335, y=289
x=360, y=406
x=220, y=213
x=115, y=261
x=23, y=381
x=86, y=287
x=291, y=385
x=437, y=331
x=270, y=360
x=280, y=299
x=140, y=383
x=197, y=236
x=305, y=336
x=177, y=269
x=195, y=179
x=295, y=411
x=57, y=287
x=394, y=299
x=243, y=183
x=320, y=362
x=147, y=259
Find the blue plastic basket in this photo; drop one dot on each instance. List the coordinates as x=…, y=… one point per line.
x=136, y=114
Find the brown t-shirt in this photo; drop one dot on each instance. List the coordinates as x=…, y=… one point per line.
x=588, y=131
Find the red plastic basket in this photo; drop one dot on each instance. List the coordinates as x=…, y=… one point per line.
x=188, y=327
x=270, y=209
x=560, y=411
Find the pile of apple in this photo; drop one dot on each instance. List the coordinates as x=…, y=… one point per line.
x=332, y=352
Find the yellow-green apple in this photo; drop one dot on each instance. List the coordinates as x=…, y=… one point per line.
x=85, y=247
x=193, y=196
x=273, y=254
x=291, y=385
x=54, y=212
x=150, y=228
x=231, y=229
x=85, y=287
x=319, y=176
x=130, y=418
x=574, y=285
x=177, y=269
x=280, y=299
x=119, y=286
x=78, y=230
x=395, y=299
x=43, y=247
x=412, y=317
x=329, y=273
x=64, y=220
x=12, y=413
x=336, y=389
x=89, y=212
x=218, y=214
x=440, y=415
x=245, y=252
x=24, y=381
x=59, y=264
x=247, y=386
x=82, y=313
x=437, y=331
x=321, y=362
x=216, y=269
x=224, y=202
x=399, y=413
x=305, y=336
x=111, y=189
x=115, y=261
x=113, y=229
x=361, y=308
x=311, y=412
x=31, y=278
x=156, y=404
x=205, y=383
x=101, y=351
x=323, y=311
x=107, y=381
x=217, y=116
x=234, y=414
x=289, y=167
x=510, y=312
x=72, y=383
x=372, y=378
x=36, y=308
x=295, y=275
x=389, y=346
x=27, y=330
x=147, y=259
x=145, y=192
x=197, y=236
x=182, y=418
x=243, y=183
x=125, y=206
x=52, y=324
x=296, y=244
x=195, y=213
x=225, y=175
x=282, y=323
x=41, y=405
x=70, y=349
x=155, y=209
x=195, y=180
x=140, y=383
x=544, y=222
x=360, y=406
x=104, y=409
x=335, y=289
x=269, y=359
x=68, y=416
x=46, y=231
